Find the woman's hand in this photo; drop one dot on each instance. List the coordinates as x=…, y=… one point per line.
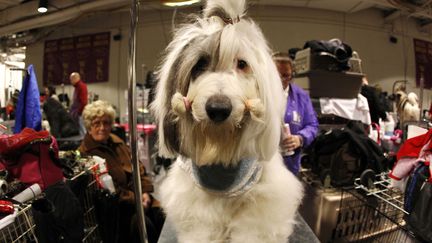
x=291, y=142
x=146, y=200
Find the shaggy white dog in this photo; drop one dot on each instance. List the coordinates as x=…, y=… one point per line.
x=219, y=107
x=407, y=106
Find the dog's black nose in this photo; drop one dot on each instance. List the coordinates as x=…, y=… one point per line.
x=218, y=108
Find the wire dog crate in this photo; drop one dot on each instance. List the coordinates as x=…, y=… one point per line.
x=90, y=222
x=91, y=231
x=372, y=213
x=22, y=228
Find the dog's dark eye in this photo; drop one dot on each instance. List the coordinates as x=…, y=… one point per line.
x=200, y=67
x=242, y=64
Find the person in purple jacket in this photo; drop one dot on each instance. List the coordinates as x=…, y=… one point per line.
x=299, y=114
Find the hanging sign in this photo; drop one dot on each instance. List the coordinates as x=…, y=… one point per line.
x=85, y=54
x=423, y=62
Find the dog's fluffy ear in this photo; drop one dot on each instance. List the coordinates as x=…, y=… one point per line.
x=161, y=107
x=166, y=121
x=274, y=103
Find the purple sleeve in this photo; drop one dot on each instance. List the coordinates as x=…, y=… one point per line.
x=310, y=122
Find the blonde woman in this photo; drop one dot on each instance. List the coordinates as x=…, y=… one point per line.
x=98, y=120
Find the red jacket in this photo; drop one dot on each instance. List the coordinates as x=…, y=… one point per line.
x=79, y=99
x=413, y=151
x=412, y=147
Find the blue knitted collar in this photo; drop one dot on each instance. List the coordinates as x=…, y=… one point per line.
x=225, y=181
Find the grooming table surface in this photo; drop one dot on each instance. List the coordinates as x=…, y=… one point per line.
x=302, y=233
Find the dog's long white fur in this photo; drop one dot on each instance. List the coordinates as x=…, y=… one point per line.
x=407, y=107
x=266, y=212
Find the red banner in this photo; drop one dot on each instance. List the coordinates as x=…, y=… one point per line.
x=423, y=62
x=85, y=54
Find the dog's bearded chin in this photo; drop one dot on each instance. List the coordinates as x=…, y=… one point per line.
x=225, y=181
x=216, y=143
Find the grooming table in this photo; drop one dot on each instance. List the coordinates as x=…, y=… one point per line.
x=302, y=233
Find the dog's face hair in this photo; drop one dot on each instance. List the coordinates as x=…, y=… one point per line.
x=220, y=63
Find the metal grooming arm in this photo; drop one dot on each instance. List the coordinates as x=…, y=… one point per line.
x=132, y=119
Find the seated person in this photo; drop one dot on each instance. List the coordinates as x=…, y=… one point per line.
x=98, y=119
x=50, y=91
x=60, y=121
x=64, y=99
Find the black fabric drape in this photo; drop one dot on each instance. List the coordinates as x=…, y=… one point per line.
x=64, y=223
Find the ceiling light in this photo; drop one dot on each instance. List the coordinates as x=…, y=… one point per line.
x=43, y=6
x=178, y=3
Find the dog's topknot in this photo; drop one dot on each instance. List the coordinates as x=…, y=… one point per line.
x=230, y=11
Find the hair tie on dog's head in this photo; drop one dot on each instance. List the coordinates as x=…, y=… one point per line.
x=180, y=104
x=256, y=109
x=227, y=20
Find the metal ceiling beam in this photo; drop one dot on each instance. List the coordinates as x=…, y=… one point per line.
x=25, y=16
x=406, y=10
x=22, y=11
x=426, y=28
x=12, y=14
x=382, y=3
x=60, y=16
x=29, y=9
x=353, y=8
x=393, y=16
x=10, y=2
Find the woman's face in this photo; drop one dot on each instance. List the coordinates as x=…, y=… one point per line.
x=100, y=128
x=285, y=72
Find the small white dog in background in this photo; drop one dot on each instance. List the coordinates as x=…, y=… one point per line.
x=407, y=106
x=219, y=107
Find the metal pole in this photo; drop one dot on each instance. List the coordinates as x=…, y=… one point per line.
x=132, y=114
x=421, y=96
